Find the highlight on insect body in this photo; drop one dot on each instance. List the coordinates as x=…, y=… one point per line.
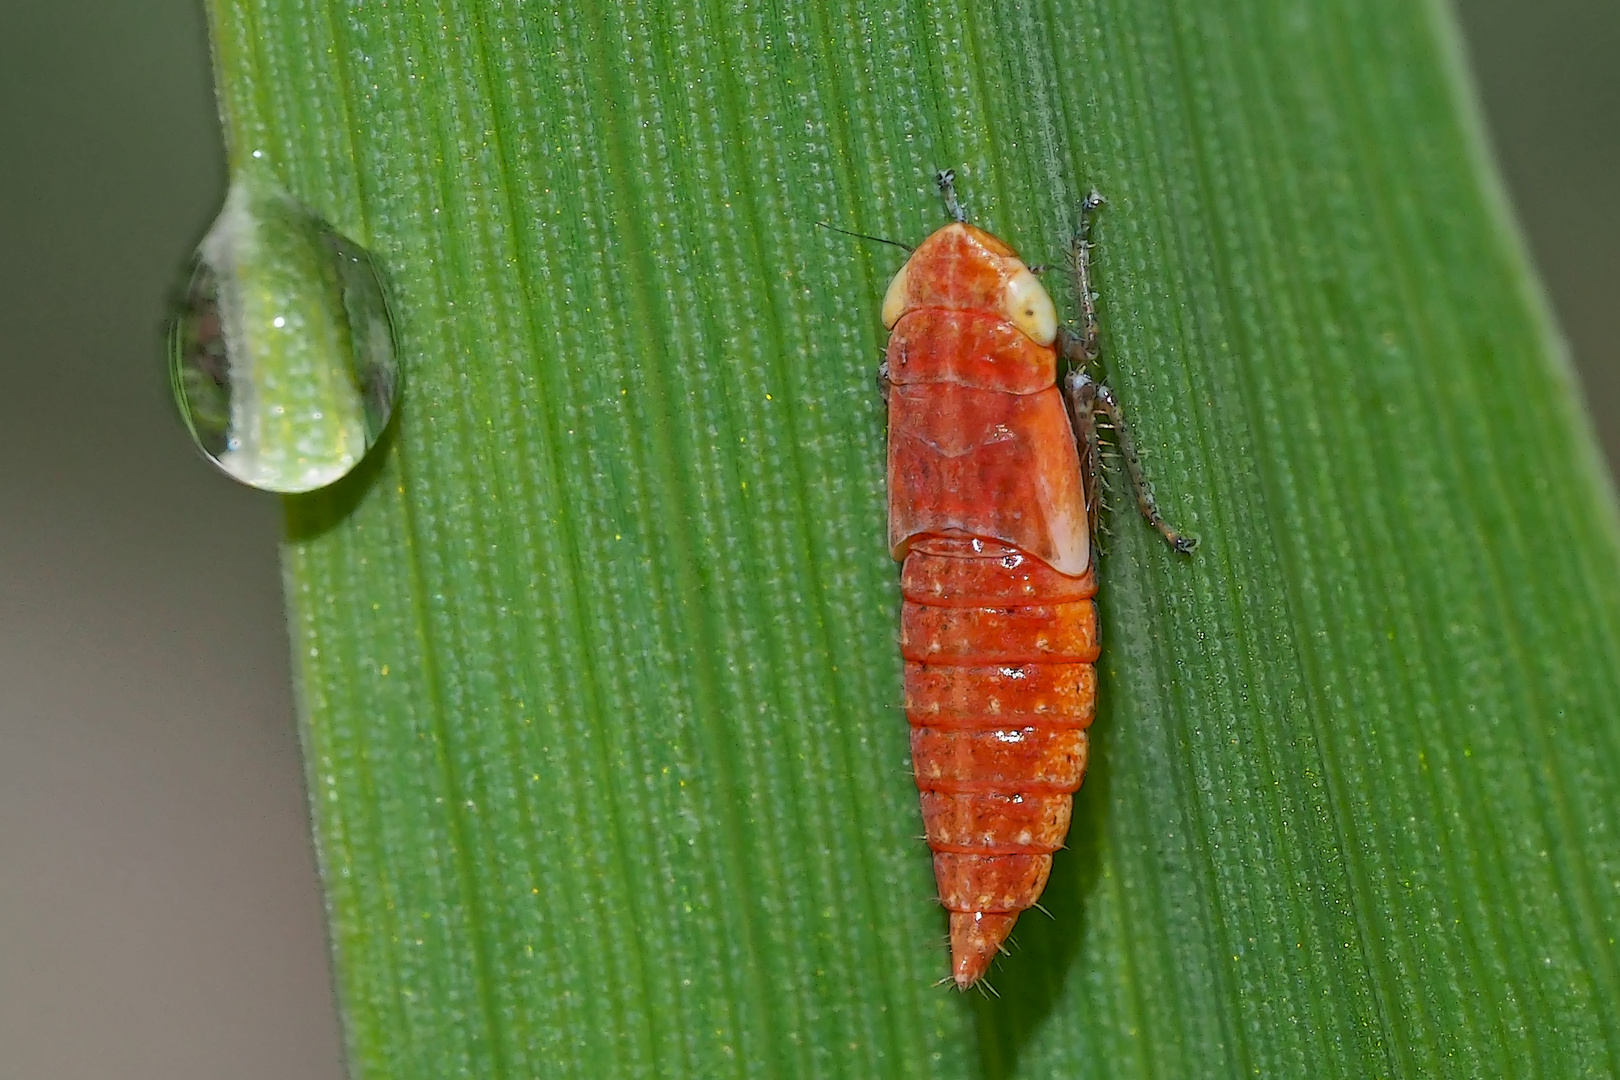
x=992, y=502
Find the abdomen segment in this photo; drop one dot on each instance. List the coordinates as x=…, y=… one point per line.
x=1000, y=688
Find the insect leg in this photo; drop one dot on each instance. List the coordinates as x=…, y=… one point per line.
x=1081, y=393
x=883, y=381
x=1080, y=263
x=946, y=179
x=1087, y=398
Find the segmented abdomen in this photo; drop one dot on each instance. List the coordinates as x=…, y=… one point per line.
x=1000, y=687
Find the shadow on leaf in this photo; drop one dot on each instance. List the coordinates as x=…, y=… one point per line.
x=1029, y=980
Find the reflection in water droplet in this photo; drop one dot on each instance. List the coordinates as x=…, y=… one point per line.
x=297, y=409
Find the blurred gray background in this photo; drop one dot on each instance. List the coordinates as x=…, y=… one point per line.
x=159, y=913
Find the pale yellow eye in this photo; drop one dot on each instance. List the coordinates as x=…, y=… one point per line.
x=1028, y=307
x=894, y=301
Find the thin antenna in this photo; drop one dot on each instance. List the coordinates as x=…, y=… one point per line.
x=863, y=236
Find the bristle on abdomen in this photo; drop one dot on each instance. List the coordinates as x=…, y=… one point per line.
x=1000, y=688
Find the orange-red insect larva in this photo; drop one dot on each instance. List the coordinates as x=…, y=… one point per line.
x=998, y=628
x=988, y=508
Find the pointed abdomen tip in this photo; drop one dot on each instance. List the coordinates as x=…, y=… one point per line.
x=976, y=937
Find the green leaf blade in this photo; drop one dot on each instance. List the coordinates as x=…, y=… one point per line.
x=597, y=662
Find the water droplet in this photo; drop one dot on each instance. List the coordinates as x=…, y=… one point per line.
x=282, y=356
